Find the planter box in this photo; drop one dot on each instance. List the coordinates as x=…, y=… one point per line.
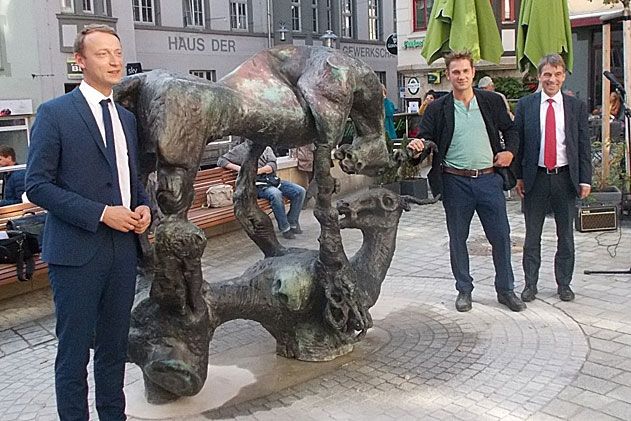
x=607, y=196
x=416, y=187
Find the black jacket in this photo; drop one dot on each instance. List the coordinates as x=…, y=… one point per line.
x=438, y=126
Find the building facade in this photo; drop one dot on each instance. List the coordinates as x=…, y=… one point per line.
x=207, y=38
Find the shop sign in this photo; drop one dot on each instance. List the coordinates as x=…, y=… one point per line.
x=413, y=43
x=391, y=44
x=15, y=107
x=73, y=70
x=433, y=78
x=413, y=86
x=133, y=68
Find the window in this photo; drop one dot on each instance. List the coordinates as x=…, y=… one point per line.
x=295, y=16
x=238, y=15
x=88, y=6
x=347, y=18
x=314, y=16
x=329, y=15
x=194, y=13
x=422, y=12
x=508, y=10
x=67, y=6
x=143, y=11
x=382, y=77
x=205, y=74
x=374, y=18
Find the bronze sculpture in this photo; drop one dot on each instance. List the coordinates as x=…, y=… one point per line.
x=314, y=302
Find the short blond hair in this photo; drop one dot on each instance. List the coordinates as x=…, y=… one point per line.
x=88, y=29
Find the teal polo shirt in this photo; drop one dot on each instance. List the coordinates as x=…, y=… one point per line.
x=470, y=146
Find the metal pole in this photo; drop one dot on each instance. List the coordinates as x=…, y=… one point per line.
x=269, y=24
x=626, y=34
x=604, y=112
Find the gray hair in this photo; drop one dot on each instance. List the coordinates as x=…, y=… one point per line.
x=553, y=60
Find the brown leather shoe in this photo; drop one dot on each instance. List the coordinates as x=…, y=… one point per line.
x=510, y=300
x=463, y=302
x=565, y=293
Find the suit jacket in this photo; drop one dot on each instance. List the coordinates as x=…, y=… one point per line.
x=70, y=175
x=578, y=148
x=438, y=124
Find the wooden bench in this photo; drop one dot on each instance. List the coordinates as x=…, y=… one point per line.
x=205, y=217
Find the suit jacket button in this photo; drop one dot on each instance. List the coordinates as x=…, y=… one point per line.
x=108, y=184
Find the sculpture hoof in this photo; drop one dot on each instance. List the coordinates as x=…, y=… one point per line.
x=174, y=376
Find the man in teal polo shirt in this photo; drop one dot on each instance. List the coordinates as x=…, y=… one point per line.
x=466, y=126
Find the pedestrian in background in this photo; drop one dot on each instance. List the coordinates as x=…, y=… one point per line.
x=13, y=187
x=389, y=109
x=553, y=167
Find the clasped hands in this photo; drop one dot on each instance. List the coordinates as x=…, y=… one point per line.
x=122, y=219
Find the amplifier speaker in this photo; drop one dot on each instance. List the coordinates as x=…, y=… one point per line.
x=597, y=218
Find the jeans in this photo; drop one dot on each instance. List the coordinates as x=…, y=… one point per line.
x=484, y=195
x=296, y=196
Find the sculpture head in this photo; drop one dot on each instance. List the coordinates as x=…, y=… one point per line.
x=375, y=209
x=367, y=155
x=127, y=91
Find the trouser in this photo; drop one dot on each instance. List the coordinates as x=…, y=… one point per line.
x=296, y=195
x=92, y=305
x=558, y=191
x=462, y=196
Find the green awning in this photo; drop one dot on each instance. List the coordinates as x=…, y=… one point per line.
x=462, y=25
x=544, y=28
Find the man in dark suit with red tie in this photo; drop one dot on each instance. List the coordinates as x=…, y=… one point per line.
x=82, y=167
x=553, y=166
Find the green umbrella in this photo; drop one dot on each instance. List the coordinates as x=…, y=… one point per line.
x=462, y=25
x=544, y=28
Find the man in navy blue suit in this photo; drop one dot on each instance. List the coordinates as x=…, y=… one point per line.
x=82, y=167
x=553, y=167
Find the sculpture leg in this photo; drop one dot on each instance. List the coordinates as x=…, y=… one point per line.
x=171, y=329
x=256, y=223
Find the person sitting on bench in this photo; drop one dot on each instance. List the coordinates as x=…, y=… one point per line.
x=288, y=223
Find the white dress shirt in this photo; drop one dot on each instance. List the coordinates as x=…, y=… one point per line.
x=94, y=97
x=559, y=119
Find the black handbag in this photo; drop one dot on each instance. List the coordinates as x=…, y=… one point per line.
x=32, y=225
x=507, y=177
x=15, y=250
x=267, y=180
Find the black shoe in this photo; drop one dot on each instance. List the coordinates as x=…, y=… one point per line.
x=463, y=302
x=289, y=235
x=510, y=300
x=565, y=293
x=296, y=229
x=529, y=293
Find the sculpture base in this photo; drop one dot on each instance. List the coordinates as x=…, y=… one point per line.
x=244, y=374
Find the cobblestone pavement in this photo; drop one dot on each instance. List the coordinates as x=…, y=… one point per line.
x=556, y=360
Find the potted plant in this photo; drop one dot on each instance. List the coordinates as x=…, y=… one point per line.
x=607, y=186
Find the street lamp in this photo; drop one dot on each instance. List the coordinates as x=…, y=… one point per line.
x=282, y=31
x=328, y=38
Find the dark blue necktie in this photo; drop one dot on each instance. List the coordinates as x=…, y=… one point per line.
x=111, y=150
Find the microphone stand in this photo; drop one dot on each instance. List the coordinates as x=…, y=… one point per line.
x=627, y=137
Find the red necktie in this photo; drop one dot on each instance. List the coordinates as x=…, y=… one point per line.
x=550, y=151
